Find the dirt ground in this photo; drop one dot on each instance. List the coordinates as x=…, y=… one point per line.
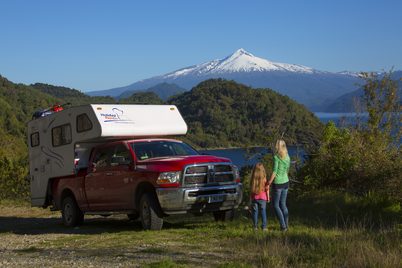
x=32, y=237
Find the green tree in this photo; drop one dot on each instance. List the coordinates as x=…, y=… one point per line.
x=382, y=103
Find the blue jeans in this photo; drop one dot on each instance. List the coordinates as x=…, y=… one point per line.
x=281, y=210
x=259, y=205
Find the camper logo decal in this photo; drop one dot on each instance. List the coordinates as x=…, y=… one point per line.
x=116, y=116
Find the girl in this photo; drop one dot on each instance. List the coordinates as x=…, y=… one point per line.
x=280, y=183
x=259, y=195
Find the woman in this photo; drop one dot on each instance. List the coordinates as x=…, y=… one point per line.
x=280, y=183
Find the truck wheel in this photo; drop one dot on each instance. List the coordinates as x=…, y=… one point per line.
x=71, y=213
x=224, y=215
x=148, y=213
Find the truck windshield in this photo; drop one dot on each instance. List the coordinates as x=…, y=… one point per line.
x=152, y=149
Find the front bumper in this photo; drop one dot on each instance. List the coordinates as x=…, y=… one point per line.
x=200, y=199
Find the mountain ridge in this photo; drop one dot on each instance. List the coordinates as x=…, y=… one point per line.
x=306, y=85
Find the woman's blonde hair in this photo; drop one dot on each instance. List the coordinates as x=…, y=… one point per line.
x=258, y=177
x=280, y=148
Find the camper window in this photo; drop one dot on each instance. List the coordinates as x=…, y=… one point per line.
x=35, y=139
x=83, y=123
x=61, y=135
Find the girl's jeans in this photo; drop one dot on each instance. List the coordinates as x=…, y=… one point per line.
x=281, y=210
x=259, y=205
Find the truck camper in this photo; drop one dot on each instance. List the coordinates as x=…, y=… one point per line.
x=105, y=158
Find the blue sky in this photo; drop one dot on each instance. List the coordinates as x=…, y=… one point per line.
x=93, y=45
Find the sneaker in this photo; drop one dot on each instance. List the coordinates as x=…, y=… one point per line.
x=255, y=229
x=284, y=229
x=265, y=229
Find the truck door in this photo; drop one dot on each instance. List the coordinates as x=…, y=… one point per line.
x=109, y=184
x=121, y=183
x=97, y=181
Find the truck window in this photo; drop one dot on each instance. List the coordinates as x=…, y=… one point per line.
x=61, y=135
x=120, y=156
x=35, y=139
x=83, y=123
x=102, y=157
x=152, y=149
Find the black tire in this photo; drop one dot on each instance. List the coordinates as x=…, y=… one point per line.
x=133, y=216
x=70, y=212
x=149, y=212
x=224, y=215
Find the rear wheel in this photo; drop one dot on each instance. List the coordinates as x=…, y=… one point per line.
x=149, y=213
x=71, y=214
x=224, y=215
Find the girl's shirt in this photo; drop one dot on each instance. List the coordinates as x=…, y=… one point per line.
x=261, y=195
x=281, y=168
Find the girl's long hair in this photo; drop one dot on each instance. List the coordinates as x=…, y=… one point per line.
x=257, y=179
x=281, y=149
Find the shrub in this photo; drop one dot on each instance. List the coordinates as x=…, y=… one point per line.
x=362, y=160
x=13, y=178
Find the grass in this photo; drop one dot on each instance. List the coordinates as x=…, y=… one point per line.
x=326, y=230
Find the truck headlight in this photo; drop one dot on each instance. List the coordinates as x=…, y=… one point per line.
x=169, y=178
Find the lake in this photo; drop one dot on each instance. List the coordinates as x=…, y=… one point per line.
x=341, y=118
x=250, y=156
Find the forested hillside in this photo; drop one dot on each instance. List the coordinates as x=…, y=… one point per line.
x=222, y=113
x=143, y=98
x=219, y=113
x=69, y=95
x=17, y=103
x=162, y=90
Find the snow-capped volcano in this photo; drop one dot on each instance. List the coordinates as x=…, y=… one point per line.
x=306, y=85
x=239, y=61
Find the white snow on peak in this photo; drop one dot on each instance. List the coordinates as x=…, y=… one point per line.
x=350, y=73
x=239, y=61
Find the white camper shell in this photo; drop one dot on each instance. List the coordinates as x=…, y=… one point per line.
x=57, y=140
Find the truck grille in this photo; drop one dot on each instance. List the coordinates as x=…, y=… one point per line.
x=208, y=174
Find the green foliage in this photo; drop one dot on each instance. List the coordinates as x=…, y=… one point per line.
x=13, y=178
x=142, y=98
x=223, y=113
x=72, y=96
x=165, y=263
x=17, y=103
x=382, y=101
x=362, y=160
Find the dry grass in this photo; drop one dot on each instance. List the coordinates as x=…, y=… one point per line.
x=36, y=237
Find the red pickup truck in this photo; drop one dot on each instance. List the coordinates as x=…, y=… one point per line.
x=148, y=179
